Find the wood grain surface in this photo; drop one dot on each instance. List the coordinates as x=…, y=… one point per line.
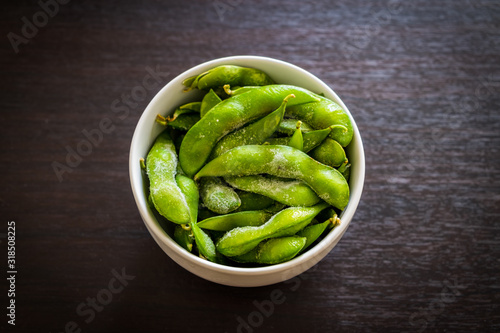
x=422, y=80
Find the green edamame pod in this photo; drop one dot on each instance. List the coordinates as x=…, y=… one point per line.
x=273, y=251
x=275, y=208
x=231, y=221
x=325, y=215
x=289, y=126
x=161, y=167
x=189, y=81
x=286, y=191
x=192, y=107
x=150, y=202
x=323, y=114
x=217, y=196
x=253, y=134
x=311, y=139
x=330, y=152
x=315, y=138
x=253, y=201
x=182, y=122
x=231, y=114
x=204, y=243
x=297, y=141
x=184, y=237
x=228, y=74
x=178, y=140
x=191, y=195
x=345, y=170
x=215, y=236
x=313, y=232
x=282, y=141
x=210, y=100
x=204, y=213
x=281, y=161
x=287, y=222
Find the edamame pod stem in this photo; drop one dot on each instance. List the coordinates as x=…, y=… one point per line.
x=237, y=90
x=231, y=221
x=323, y=114
x=285, y=223
x=161, y=167
x=286, y=191
x=205, y=245
x=311, y=139
x=274, y=251
x=285, y=162
x=228, y=74
x=231, y=114
x=253, y=134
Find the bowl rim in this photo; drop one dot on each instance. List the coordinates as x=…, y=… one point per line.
x=154, y=226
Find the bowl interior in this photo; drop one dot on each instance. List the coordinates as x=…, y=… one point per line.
x=171, y=96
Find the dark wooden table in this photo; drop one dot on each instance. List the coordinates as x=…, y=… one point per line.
x=422, y=79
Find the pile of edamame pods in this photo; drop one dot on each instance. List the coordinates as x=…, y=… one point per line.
x=252, y=174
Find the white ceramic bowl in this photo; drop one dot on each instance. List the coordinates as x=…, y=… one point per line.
x=146, y=131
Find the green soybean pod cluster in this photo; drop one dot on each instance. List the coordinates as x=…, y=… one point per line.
x=254, y=173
